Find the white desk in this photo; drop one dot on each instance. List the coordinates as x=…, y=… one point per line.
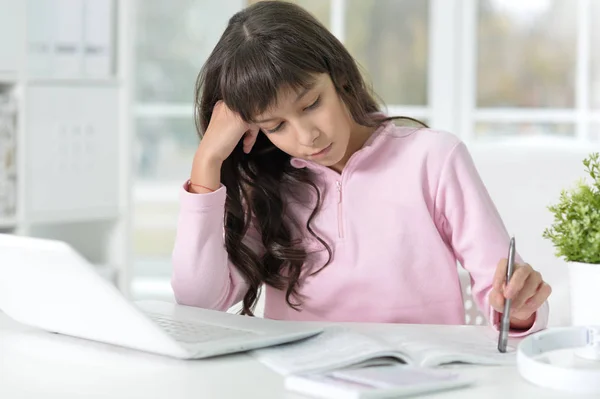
x=35, y=364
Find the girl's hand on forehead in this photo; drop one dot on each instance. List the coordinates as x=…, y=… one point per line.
x=225, y=130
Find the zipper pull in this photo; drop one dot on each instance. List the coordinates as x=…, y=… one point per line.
x=339, y=216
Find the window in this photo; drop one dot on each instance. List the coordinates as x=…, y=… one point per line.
x=505, y=129
x=166, y=146
x=321, y=9
x=172, y=41
x=595, y=132
x=526, y=55
x=595, y=57
x=389, y=40
x=595, y=73
x=526, y=62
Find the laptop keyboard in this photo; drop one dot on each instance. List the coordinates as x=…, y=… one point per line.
x=195, y=333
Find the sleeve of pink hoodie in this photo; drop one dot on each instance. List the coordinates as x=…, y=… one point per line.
x=202, y=274
x=475, y=230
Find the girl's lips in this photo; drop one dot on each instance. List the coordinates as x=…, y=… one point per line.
x=324, y=151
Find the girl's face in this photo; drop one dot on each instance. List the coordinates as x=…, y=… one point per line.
x=311, y=124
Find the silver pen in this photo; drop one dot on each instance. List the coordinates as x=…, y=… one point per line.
x=505, y=321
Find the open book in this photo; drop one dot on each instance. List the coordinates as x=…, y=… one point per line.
x=339, y=347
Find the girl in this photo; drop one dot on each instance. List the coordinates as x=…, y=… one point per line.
x=302, y=184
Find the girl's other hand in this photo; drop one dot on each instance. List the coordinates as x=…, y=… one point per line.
x=225, y=129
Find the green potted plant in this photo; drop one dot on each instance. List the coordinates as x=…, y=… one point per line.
x=575, y=234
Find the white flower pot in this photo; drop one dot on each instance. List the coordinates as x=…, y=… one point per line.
x=585, y=300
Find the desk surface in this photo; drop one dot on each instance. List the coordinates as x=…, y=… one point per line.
x=36, y=364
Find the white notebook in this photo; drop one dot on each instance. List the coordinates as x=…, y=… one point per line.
x=340, y=347
x=376, y=382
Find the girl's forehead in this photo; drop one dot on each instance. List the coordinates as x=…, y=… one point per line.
x=293, y=93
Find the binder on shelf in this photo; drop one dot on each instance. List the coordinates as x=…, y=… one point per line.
x=98, y=30
x=11, y=20
x=68, y=38
x=71, y=38
x=40, y=14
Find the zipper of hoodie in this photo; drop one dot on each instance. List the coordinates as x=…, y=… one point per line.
x=340, y=214
x=338, y=182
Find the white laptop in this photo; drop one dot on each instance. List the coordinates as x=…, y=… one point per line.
x=48, y=285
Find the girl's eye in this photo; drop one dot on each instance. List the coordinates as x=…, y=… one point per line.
x=313, y=105
x=276, y=128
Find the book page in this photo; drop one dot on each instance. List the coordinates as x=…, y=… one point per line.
x=335, y=348
x=453, y=345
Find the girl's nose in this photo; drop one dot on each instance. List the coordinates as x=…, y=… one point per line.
x=307, y=136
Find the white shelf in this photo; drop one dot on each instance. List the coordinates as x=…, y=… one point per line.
x=79, y=216
x=39, y=81
x=8, y=223
x=72, y=114
x=7, y=78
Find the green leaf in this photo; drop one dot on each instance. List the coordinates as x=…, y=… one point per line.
x=575, y=231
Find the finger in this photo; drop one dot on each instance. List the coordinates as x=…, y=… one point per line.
x=539, y=298
x=497, y=301
x=500, y=275
x=517, y=281
x=249, y=139
x=532, y=285
x=533, y=303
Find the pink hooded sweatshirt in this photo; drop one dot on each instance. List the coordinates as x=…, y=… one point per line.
x=405, y=209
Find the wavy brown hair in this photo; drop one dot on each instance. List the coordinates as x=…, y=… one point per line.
x=267, y=47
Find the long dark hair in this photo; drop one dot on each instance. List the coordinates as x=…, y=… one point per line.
x=266, y=47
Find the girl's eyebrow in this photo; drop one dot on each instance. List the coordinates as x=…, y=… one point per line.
x=265, y=120
x=302, y=94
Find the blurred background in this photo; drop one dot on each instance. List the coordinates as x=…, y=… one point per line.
x=96, y=110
